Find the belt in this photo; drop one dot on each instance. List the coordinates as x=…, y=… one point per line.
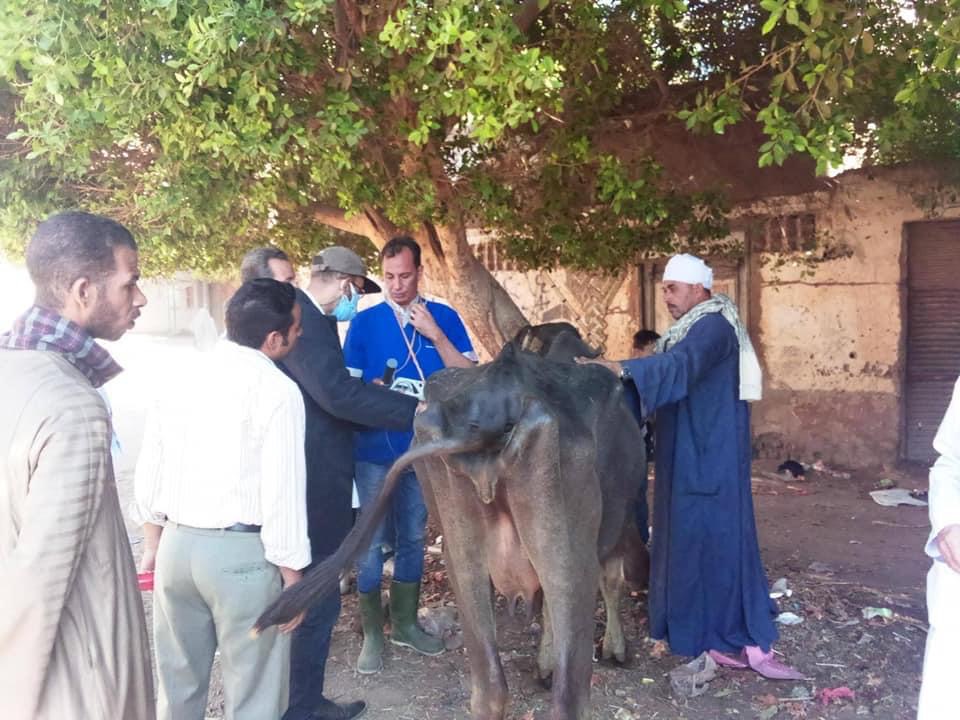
x=243, y=527
x=236, y=527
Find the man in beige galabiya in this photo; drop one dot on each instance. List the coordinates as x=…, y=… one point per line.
x=73, y=642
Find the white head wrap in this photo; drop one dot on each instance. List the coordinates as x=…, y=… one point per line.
x=688, y=269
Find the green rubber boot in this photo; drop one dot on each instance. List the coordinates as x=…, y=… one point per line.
x=404, y=598
x=371, y=619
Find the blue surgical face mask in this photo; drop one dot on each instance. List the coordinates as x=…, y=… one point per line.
x=346, y=307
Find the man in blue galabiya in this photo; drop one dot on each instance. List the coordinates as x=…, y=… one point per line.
x=414, y=338
x=708, y=587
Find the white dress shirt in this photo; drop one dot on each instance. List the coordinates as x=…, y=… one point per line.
x=226, y=445
x=938, y=691
x=944, y=497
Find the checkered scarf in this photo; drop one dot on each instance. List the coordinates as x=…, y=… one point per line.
x=43, y=329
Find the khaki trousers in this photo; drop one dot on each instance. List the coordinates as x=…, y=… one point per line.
x=209, y=588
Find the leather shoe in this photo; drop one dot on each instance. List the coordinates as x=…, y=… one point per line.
x=330, y=710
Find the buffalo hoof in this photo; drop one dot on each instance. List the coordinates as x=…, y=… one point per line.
x=545, y=682
x=621, y=659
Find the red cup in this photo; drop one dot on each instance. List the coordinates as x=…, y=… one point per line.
x=146, y=580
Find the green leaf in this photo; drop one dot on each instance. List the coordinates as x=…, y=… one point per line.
x=790, y=81
x=944, y=57
x=771, y=22
x=867, y=40
x=830, y=80
x=905, y=95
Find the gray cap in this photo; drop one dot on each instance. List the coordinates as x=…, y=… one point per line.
x=343, y=260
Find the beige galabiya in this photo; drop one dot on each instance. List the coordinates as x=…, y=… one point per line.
x=73, y=641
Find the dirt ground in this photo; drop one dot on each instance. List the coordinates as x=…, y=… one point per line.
x=839, y=552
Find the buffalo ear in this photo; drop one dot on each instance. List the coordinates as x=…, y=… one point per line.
x=428, y=425
x=527, y=340
x=593, y=352
x=522, y=336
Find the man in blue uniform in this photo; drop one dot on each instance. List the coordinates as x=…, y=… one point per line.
x=708, y=587
x=400, y=342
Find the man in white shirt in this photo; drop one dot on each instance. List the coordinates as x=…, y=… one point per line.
x=336, y=404
x=938, y=696
x=223, y=468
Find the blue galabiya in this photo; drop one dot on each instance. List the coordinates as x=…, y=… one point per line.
x=708, y=587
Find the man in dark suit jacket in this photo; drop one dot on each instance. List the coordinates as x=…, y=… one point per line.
x=336, y=404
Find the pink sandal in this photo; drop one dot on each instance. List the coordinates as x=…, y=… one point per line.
x=759, y=661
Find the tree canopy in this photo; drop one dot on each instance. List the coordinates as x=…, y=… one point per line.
x=210, y=126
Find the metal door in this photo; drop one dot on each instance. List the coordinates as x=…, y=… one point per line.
x=933, y=331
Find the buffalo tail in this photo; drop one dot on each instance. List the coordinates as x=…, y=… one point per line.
x=325, y=577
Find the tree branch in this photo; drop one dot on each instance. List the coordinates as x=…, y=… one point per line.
x=380, y=223
x=656, y=75
x=370, y=222
x=357, y=224
x=346, y=29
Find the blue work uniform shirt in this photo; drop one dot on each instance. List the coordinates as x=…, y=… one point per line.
x=373, y=338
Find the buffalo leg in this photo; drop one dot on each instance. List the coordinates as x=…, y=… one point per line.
x=545, y=654
x=611, y=586
x=571, y=620
x=556, y=504
x=488, y=686
x=462, y=517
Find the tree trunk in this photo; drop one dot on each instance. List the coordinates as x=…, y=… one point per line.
x=454, y=273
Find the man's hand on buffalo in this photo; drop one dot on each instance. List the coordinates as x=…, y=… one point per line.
x=611, y=365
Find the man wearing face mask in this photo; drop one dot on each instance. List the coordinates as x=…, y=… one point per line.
x=335, y=404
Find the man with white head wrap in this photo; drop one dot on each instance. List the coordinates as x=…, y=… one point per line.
x=708, y=587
